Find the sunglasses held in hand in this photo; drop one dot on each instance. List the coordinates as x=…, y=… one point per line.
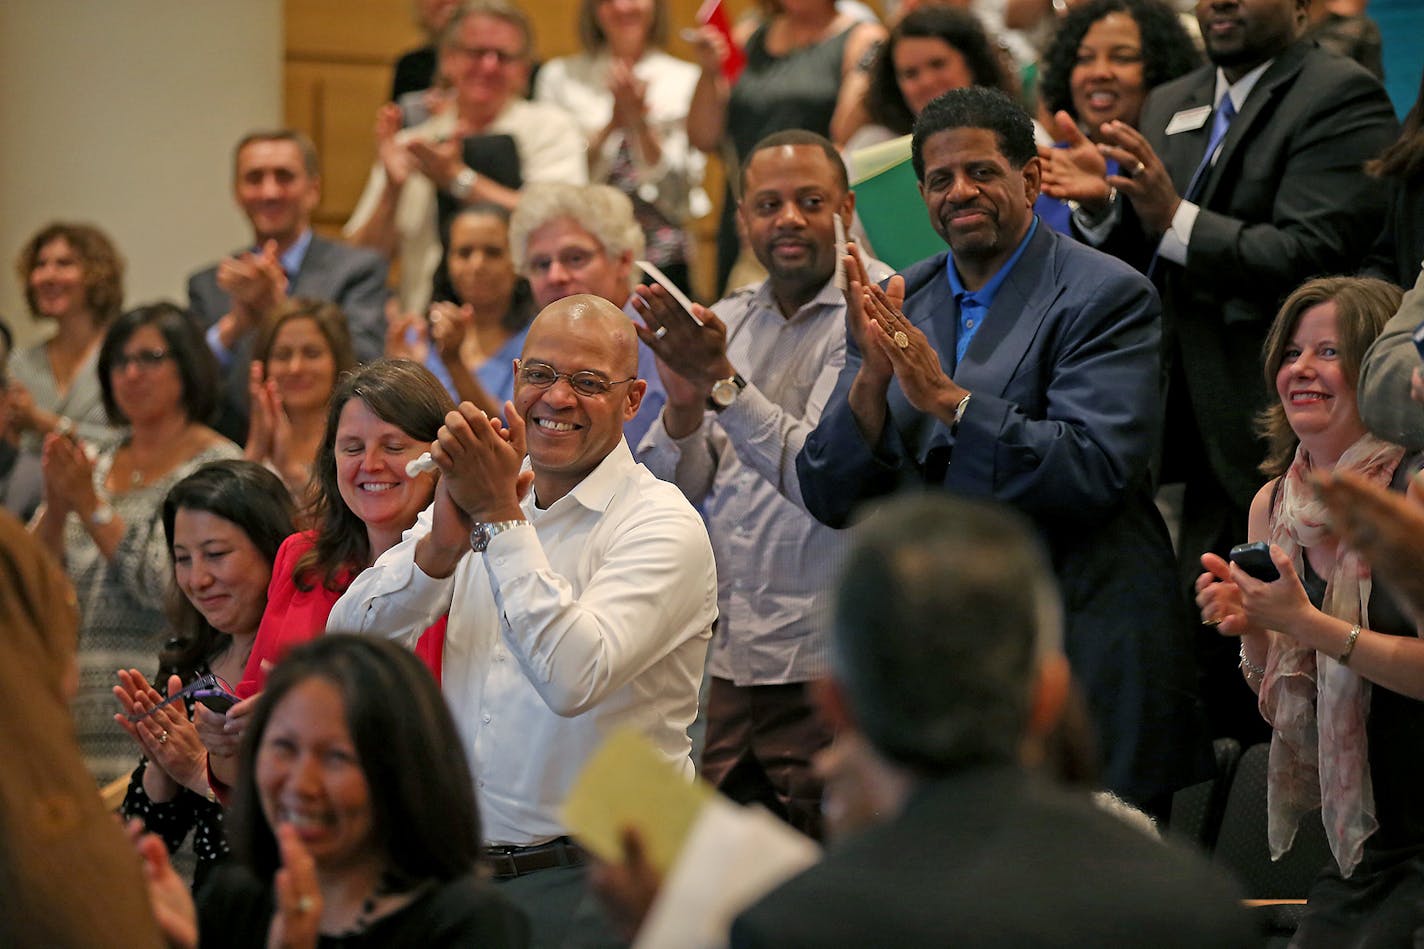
x=207, y=689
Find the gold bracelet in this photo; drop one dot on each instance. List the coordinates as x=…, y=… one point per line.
x=1344, y=659
x=1249, y=669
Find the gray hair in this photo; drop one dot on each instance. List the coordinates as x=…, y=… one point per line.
x=945, y=612
x=602, y=210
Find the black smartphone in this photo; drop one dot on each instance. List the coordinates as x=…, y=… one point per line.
x=1255, y=559
x=215, y=698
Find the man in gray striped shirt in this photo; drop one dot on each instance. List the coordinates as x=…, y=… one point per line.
x=744, y=389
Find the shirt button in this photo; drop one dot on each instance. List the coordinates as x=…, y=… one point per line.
x=969, y=324
x=499, y=561
x=485, y=718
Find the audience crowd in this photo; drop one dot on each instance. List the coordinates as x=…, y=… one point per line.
x=372, y=544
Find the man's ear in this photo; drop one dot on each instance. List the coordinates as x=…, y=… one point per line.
x=1048, y=695
x=636, y=390
x=1033, y=178
x=313, y=196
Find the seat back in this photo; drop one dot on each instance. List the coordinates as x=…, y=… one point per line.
x=1241, y=844
x=1196, y=809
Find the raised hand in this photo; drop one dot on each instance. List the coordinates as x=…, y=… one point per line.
x=1142, y=177
x=1076, y=170
x=914, y=360
x=875, y=366
x=395, y=158
x=296, y=919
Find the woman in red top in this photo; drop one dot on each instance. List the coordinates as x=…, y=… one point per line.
x=382, y=416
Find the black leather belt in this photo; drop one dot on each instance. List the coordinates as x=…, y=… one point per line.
x=509, y=862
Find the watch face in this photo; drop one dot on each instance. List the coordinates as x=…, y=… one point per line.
x=479, y=538
x=724, y=392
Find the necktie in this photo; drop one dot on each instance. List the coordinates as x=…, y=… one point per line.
x=1221, y=121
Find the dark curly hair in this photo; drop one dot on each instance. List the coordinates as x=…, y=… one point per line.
x=1167, y=49
x=958, y=28
x=975, y=108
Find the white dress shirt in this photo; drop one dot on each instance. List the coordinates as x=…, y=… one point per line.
x=594, y=618
x=776, y=564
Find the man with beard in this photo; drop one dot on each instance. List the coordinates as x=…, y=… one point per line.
x=744, y=389
x=1024, y=367
x=1246, y=179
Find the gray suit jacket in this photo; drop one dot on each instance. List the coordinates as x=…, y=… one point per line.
x=1383, y=396
x=353, y=278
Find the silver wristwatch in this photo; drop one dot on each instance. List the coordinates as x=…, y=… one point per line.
x=484, y=531
x=725, y=392
x=463, y=182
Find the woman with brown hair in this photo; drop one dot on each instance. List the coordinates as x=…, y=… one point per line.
x=73, y=277
x=1337, y=664
x=302, y=351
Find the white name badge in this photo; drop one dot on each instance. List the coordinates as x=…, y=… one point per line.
x=1188, y=119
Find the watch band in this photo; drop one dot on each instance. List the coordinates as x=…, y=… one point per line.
x=483, y=532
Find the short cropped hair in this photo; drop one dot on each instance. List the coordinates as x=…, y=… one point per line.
x=976, y=108
x=602, y=210
x=300, y=139
x=961, y=30
x=1363, y=305
x=797, y=137
x=423, y=813
x=197, y=368
x=103, y=267
x=504, y=10
x=944, y=612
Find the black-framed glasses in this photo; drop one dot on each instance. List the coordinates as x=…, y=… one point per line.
x=585, y=382
x=145, y=359
x=213, y=691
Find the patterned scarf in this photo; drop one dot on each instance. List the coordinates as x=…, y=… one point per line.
x=1317, y=707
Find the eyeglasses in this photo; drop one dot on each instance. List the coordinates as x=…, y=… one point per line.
x=585, y=382
x=479, y=53
x=145, y=359
x=572, y=259
x=211, y=690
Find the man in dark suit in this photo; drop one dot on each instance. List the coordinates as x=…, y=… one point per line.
x=1279, y=196
x=277, y=185
x=946, y=659
x=1024, y=367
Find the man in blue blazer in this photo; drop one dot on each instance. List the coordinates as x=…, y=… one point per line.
x=1025, y=367
x=277, y=186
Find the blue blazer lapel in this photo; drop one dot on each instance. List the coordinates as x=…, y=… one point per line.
x=1010, y=331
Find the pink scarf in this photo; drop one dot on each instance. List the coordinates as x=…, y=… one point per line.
x=1319, y=754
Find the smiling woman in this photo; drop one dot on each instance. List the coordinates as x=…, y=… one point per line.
x=224, y=524
x=345, y=833
x=101, y=517
x=381, y=416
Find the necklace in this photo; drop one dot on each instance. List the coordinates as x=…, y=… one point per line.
x=386, y=886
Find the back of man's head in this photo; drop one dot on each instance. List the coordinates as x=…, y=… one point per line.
x=976, y=107
x=944, y=615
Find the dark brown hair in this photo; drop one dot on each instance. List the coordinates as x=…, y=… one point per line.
x=329, y=320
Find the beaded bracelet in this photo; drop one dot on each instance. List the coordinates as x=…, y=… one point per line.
x=1249, y=669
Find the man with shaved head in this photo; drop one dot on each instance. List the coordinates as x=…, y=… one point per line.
x=580, y=590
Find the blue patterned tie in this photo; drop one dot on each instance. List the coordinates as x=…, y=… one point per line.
x=1224, y=114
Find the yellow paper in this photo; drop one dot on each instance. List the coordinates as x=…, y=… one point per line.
x=628, y=784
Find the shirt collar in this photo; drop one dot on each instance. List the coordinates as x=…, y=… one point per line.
x=291, y=258
x=828, y=295
x=1239, y=89
x=598, y=488
x=985, y=294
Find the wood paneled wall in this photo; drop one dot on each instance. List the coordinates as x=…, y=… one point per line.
x=339, y=55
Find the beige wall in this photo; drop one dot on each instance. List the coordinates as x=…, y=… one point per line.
x=123, y=113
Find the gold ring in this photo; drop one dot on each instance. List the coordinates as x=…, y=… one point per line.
x=163, y=738
x=305, y=903
x=1139, y=169
x=1211, y=622
x=901, y=339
